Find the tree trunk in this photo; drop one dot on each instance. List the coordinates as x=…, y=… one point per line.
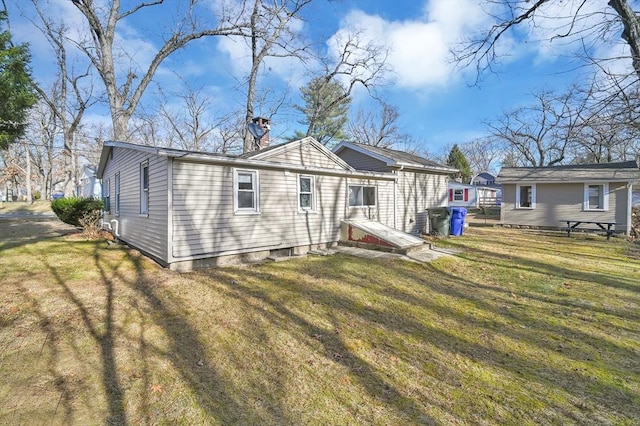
x=631, y=31
x=28, y=174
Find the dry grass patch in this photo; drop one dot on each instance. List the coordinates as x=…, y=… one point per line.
x=519, y=328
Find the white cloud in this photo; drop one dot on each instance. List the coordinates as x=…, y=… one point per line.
x=419, y=48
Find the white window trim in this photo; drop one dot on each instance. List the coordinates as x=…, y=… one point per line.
x=311, y=209
x=605, y=197
x=369, y=206
x=533, y=196
x=256, y=191
x=117, y=194
x=145, y=199
x=461, y=195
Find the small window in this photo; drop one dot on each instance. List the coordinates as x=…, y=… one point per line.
x=106, y=195
x=525, y=196
x=458, y=195
x=362, y=196
x=306, y=193
x=596, y=197
x=246, y=191
x=117, y=194
x=144, y=188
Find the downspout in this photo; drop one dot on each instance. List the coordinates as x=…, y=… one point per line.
x=629, y=207
x=395, y=197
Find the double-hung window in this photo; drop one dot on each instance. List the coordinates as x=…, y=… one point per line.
x=246, y=191
x=362, y=196
x=144, y=188
x=458, y=194
x=306, y=193
x=525, y=196
x=117, y=194
x=596, y=197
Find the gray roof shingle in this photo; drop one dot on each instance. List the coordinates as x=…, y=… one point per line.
x=401, y=158
x=623, y=171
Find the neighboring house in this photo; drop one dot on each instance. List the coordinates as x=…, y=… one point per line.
x=421, y=185
x=545, y=196
x=463, y=195
x=189, y=209
x=483, y=179
x=90, y=186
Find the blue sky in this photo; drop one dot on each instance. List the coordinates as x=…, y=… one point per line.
x=435, y=101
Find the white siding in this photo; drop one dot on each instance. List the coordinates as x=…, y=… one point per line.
x=304, y=154
x=557, y=202
x=148, y=233
x=418, y=192
x=204, y=222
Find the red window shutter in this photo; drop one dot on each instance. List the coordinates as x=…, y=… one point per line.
x=451, y=195
x=466, y=194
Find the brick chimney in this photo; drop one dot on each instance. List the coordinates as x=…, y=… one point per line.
x=265, y=125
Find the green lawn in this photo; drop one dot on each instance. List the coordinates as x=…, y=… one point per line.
x=518, y=328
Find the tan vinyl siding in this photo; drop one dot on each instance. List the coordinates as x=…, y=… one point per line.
x=418, y=192
x=304, y=155
x=205, y=224
x=148, y=233
x=383, y=210
x=361, y=161
x=558, y=202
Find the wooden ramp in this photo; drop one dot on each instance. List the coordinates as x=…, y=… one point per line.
x=372, y=234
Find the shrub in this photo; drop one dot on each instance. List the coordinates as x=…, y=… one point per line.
x=77, y=211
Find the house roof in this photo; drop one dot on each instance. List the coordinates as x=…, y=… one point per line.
x=485, y=176
x=394, y=158
x=622, y=172
x=253, y=159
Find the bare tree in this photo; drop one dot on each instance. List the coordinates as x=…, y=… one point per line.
x=378, y=127
x=42, y=133
x=270, y=35
x=482, y=153
x=190, y=124
x=124, y=87
x=358, y=62
x=67, y=98
x=592, y=25
x=542, y=132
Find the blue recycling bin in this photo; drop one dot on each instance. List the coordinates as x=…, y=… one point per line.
x=457, y=220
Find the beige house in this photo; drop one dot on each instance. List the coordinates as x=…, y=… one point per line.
x=550, y=196
x=421, y=183
x=189, y=209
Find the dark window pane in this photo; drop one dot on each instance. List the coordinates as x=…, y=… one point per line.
x=595, y=197
x=369, y=196
x=305, y=201
x=355, y=196
x=525, y=196
x=305, y=185
x=245, y=200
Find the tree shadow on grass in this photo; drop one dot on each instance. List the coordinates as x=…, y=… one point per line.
x=237, y=285
x=20, y=232
x=527, y=327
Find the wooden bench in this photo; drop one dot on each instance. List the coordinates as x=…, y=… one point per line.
x=572, y=225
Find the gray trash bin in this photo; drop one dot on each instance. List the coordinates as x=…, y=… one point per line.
x=439, y=221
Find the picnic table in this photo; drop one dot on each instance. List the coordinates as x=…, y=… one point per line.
x=603, y=225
